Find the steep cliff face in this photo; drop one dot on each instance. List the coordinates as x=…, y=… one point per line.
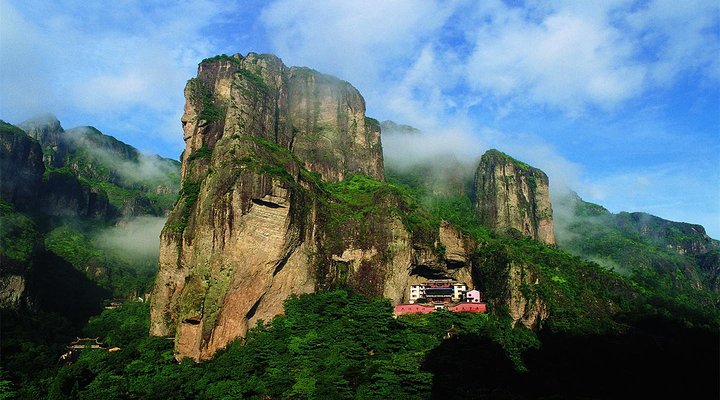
x=47, y=131
x=512, y=195
x=18, y=242
x=21, y=166
x=63, y=194
x=271, y=205
x=318, y=117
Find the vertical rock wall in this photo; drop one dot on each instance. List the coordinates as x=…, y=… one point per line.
x=511, y=195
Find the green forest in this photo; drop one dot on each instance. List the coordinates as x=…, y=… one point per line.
x=338, y=345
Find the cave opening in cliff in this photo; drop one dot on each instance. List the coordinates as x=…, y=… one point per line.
x=428, y=272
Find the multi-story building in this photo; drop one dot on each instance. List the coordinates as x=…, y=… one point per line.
x=438, y=294
x=437, y=291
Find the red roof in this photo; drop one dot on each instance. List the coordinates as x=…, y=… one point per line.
x=401, y=309
x=469, y=307
x=412, y=309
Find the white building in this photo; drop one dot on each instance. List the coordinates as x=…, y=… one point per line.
x=416, y=292
x=458, y=289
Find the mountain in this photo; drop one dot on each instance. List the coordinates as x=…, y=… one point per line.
x=63, y=194
x=293, y=236
x=282, y=194
x=671, y=255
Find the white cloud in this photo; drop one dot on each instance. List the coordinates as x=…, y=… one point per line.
x=567, y=56
x=678, y=37
x=118, y=65
x=368, y=43
x=564, y=60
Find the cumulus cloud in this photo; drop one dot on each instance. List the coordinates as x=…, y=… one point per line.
x=563, y=60
x=355, y=40
x=678, y=37
x=568, y=56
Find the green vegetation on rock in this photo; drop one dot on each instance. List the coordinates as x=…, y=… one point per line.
x=201, y=95
x=255, y=79
x=18, y=236
x=220, y=57
x=497, y=154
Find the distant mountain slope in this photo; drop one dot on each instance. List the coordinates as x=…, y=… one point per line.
x=673, y=254
x=133, y=183
x=76, y=206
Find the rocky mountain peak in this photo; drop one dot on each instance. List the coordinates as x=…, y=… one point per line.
x=319, y=118
x=40, y=126
x=46, y=129
x=511, y=195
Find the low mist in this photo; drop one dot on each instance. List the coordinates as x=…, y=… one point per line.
x=137, y=239
x=403, y=150
x=130, y=165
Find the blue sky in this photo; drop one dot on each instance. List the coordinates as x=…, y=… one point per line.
x=618, y=100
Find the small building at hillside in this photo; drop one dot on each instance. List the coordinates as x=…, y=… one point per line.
x=473, y=296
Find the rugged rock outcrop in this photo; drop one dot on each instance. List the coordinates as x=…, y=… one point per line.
x=512, y=286
x=12, y=290
x=46, y=129
x=523, y=303
x=21, y=166
x=321, y=119
x=511, y=195
x=256, y=220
